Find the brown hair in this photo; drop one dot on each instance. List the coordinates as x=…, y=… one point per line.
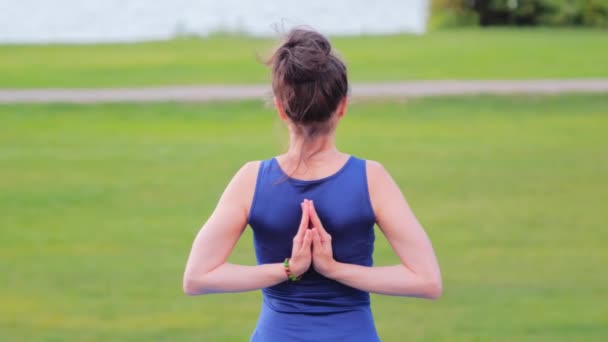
x=308, y=81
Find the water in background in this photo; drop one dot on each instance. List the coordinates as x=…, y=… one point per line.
x=89, y=21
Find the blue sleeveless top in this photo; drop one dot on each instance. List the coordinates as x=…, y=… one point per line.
x=343, y=205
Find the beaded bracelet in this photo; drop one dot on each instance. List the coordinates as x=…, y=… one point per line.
x=289, y=274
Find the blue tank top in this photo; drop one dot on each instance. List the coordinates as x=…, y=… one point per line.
x=343, y=205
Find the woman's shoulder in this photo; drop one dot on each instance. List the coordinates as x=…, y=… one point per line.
x=249, y=170
x=246, y=176
x=252, y=165
x=378, y=178
x=373, y=167
x=242, y=185
x=375, y=171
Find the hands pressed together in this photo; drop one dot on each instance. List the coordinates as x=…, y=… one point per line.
x=312, y=244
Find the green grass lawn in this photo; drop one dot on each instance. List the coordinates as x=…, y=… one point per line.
x=100, y=204
x=460, y=54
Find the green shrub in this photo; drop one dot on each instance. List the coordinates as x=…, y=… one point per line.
x=595, y=13
x=592, y=13
x=452, y=13
x=562, y=13
x=507, y=12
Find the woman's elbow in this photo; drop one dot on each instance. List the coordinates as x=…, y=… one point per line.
x=189, y=286
x=193, y=287
x=433, y=288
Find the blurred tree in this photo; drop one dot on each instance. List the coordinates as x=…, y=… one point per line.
x=595, y=13
x=452, y=13
x=509, y=12
x=520, y=12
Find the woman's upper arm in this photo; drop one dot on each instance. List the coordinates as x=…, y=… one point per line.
x=399, y=224
x=219, y=234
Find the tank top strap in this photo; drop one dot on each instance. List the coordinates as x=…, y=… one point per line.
x=356, y=173
x=260, y=183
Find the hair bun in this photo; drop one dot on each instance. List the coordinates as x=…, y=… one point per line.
x=307, y=39
x=308, y=80
x=305, y=54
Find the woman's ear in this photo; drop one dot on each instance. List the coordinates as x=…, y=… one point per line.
x=342, y=107
x=279, y=108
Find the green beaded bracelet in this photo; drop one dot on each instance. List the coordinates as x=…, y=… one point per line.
x=290, y=275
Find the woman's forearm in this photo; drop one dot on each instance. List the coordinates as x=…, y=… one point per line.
x=395, y=280
x=234, y=278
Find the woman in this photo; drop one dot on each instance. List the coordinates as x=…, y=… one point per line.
x=312, y=211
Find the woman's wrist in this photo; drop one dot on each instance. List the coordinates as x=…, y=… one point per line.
x=332, y=270
x=288, y=271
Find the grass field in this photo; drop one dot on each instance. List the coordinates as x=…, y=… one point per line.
x=461, y=54
x=100, y=204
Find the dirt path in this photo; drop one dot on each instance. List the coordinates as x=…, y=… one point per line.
x=243, y=92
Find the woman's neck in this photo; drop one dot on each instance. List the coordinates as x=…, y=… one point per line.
x=321, y=148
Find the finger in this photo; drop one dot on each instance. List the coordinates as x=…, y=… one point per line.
x=316, y=220
x=316, y=240
x=298, y=239
x=303, y=221
x=307, y=241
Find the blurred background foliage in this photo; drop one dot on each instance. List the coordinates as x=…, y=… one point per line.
x=454, y=13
